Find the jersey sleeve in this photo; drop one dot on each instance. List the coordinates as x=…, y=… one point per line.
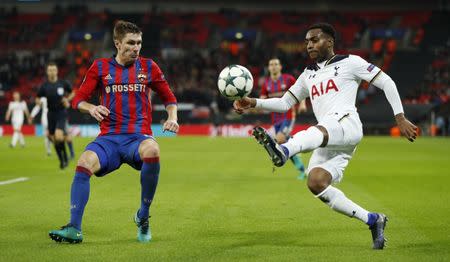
x=363, y=70
x=299, y=90
x=87, y=87
x=160, y=86
x=264, y=89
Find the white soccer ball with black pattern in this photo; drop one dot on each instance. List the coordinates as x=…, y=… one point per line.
x=235, y=82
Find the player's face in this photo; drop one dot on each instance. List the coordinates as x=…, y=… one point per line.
x=129, y=47
x=318, y=45
x=274, y=67
x=16, y=96
x=52, y=72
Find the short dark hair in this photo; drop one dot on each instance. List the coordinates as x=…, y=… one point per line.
x=51, y=63
x=121, y=28
x=326, y=28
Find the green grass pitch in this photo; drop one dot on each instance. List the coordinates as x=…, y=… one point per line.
x=218, y=200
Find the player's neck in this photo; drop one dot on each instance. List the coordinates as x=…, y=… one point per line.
x=122, y=61
x=325, y=58
x=53, y=80
x=275, y=76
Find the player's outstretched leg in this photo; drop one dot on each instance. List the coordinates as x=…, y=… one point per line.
x=79, y=196
x=275, y=151
x=149, y=181
x=319, y=182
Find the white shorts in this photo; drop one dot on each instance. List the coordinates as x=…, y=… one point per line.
x=17, y=123
x=345, y=132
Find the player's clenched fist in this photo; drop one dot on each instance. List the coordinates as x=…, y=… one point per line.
x=99, y=112
x=171, y=125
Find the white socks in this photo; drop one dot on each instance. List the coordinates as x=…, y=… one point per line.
x=21, y=139
x=47, y=145
x=15, y=137
x=336, y=199
x=304, y=141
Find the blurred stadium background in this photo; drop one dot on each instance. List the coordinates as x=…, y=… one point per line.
x=218, y=199
x=192, y=41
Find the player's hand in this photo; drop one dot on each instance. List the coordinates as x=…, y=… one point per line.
x=171, y=126
x=243, y=104
x=99, y=112
x=65, y=102
x=408, y=129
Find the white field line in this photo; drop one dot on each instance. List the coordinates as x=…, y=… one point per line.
x=12, y=181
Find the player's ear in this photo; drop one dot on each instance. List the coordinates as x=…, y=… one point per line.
x=116, y=43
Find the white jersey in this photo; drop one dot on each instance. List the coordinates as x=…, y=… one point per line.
x=332, y=88
x=17, y=110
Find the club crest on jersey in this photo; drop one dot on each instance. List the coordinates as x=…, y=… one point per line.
x=60, y=91
x=322, y=90
x=142, y=77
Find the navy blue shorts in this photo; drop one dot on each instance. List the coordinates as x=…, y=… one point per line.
x=284, y=127
x=114, y=150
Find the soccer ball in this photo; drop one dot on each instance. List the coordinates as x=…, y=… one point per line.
x=235, y=82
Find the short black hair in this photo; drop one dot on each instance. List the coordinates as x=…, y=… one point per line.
x=326, y=28
x=51, y=63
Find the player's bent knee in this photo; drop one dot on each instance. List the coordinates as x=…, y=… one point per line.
x=90, y=161
x=281, y=138
x=149, y=148
x=318, y=180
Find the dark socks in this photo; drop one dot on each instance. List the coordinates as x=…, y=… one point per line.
x=149, y=181
x=79, y=195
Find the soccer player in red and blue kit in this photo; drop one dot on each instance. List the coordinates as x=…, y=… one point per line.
x=124, y=83
x=275, y=85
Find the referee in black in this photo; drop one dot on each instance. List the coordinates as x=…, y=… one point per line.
x=58, y=93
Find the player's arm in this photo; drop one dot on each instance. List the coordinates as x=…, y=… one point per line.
x=27, y=113
x=86, y=90
x=71, y=94
x=302, y=107
x=36, y=108
x=372, y=74
x=385, y=82
x=294, y=95
x=161, y=87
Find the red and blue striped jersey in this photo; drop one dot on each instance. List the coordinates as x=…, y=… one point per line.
x=126, y=92
x=277, y=88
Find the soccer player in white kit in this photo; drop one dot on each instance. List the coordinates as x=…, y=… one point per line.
x=44, y=121
x=15, y=112
x=331, y=84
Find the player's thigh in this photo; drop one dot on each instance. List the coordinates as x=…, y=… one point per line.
x=17, y=125
x=107, y=153
x=334, y=161
x=139, y=147
x=59, y=135
x=343, y=129
x=61, y=125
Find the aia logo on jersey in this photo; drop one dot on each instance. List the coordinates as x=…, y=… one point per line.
x=142, y=77
x=323, y=89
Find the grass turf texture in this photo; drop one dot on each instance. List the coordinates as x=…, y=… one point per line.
x=218, y=200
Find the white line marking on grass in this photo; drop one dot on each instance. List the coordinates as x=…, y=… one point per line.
x=12, y=181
